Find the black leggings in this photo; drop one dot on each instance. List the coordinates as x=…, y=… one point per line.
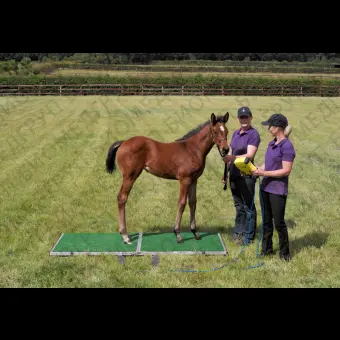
x=273, y=208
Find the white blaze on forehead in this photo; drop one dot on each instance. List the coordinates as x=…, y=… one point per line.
x=222, y=128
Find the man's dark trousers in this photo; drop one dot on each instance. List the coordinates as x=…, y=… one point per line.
x=243, y=191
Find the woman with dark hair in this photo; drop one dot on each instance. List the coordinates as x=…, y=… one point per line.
x=244, y=143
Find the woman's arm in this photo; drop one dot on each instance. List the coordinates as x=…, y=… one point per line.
x=284, y=172
x=251, y=152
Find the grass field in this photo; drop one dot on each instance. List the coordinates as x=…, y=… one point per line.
x=141, y=74
x=53, y=181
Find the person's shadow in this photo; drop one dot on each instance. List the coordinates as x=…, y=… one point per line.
x=291, y=224
x=316, y=240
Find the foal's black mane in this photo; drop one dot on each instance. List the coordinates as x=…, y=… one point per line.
x=193, y=132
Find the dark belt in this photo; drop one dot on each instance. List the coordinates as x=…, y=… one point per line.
x=244, y=176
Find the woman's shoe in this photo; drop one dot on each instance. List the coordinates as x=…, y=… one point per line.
x=267, y=253
x=286, y=258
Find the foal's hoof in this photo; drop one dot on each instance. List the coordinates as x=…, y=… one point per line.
x=179, y=238
x=198, y=236
x=127, y=240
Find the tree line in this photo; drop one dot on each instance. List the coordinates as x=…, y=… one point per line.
x=146, y=58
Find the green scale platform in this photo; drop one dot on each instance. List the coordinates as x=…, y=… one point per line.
x=142, y=244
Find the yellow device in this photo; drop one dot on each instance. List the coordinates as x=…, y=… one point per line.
x=245, y=165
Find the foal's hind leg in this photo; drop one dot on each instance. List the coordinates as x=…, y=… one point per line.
x=184, y=186
x=192, y=197
x=122, y=199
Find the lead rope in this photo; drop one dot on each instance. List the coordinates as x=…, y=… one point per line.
x=259, y=265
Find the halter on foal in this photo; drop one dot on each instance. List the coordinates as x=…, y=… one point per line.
x=182, y=160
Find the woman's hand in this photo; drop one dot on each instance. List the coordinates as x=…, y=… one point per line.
x=258, y=172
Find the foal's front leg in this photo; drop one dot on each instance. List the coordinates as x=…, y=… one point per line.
x=183, y=193
x=192, y=204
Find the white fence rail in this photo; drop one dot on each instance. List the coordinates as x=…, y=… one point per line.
x=166, y=89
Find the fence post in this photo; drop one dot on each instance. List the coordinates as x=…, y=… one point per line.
x=162, y=89
x=18, y=90
x=182, y=91
x=142, y=90
x=301, y=92
x=60, y=90
x=202, y=90
x=222, y=90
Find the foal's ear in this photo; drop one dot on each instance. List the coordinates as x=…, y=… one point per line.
x=213, y=119
x=226, y=118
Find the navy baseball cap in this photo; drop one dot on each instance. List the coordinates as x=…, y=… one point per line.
x=278, y=120
x=244, y=111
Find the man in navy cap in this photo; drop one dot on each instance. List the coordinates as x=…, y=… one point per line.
x=244, y=143
x=275, y=171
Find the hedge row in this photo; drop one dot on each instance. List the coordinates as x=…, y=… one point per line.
x=197, y=69
x=175, y=80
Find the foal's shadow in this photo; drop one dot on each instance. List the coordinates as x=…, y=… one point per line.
x=204, y=232
x=134, y=237
x=317, y=240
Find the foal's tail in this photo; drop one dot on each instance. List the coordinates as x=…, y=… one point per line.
x=111, y=157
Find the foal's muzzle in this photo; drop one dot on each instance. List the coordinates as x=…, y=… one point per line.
x=224, y=152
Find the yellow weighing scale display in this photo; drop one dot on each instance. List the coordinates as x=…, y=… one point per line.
x=244, y=165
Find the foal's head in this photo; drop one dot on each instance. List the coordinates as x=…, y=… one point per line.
x=220, y=132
